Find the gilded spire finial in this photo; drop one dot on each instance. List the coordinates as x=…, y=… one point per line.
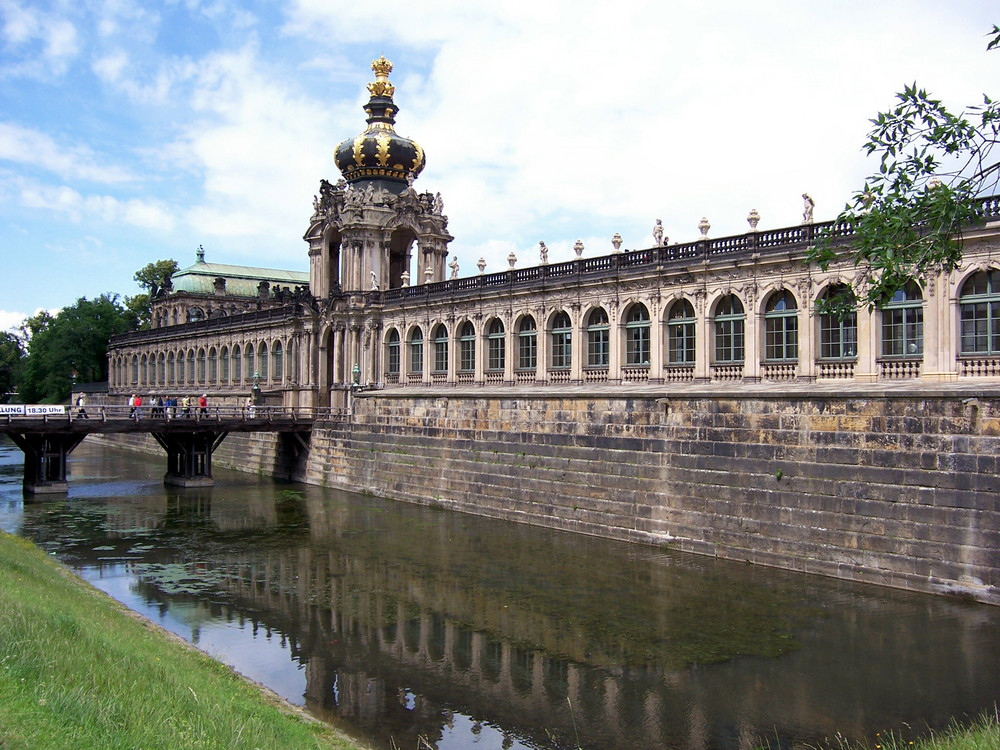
x=381, y=85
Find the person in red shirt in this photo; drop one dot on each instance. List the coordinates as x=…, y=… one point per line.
x=203, y=405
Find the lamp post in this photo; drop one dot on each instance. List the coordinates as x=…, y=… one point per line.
x=255, y=391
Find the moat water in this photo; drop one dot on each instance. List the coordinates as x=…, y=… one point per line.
x=397, y=622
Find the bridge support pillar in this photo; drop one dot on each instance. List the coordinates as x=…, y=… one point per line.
x=45, y=460
x=189, y=456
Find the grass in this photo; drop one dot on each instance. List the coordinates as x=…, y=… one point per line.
x=77, y=670
x=981, y=734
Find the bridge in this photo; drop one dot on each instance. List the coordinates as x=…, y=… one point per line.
x=48, y=434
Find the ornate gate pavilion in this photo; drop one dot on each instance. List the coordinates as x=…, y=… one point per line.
x=377, y=311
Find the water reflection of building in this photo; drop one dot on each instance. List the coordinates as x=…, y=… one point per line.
x=401, y=641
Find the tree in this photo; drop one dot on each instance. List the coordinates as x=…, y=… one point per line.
x=155, y=277
x=11, y=354
x=72, y=344
x=909, y=216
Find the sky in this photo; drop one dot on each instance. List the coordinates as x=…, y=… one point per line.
x=137, y=131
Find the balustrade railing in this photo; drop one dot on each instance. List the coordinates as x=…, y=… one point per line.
x=899, y=369
x=835, y=370
x=779, y=370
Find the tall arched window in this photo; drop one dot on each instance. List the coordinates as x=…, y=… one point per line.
x=440, y=348
x=392, y=353
x=637, y=336
x=680, y=333
x=838, y=330
x=190, y=367
x=903, y=323
x=467, y=347
x=251, y=363
x=237, y=365
x=527, y=344
x=598, y=339
x=781, y=327
x=729, y=324
x=496, y=346
x=213, y=366
x=224, y=365
x=979, y=304
x=278, y=362
x=135, y=369
x=417, y=352
x=262, y=360
x=562, y=342
x=202, y=366
x=171, y=371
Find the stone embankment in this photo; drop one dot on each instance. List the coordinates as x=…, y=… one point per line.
x=895, y=486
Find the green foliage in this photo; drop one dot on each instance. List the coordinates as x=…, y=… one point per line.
x=155, y=277
x=909, y=216
x=11, y=354
x=73, y=341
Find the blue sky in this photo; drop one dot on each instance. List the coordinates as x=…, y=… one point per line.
x=131, y=132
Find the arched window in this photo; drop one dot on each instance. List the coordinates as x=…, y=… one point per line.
x=903, y=323
x=637, y=336
x=417, y=352
x=598, y=339
x=237, y=366
x=680, y=333
x=467, y=347
x=262, y=360
x=440, y=348
x=224, y=365
x=161, y=375
x=145, y=370
x=729, y=323
x=496, y=342
x=202, y=366
x=278, y=362
x=135, y=369
x=562, y=342
x=190, y=367
x=979, y=304
x=527, y=344
x=251, y=363
x=392, y=353
x=838, y=330
x=195, y=314
x=171, y=371
x=781, y=327
x=213, y=366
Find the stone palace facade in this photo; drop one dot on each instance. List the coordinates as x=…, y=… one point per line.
x=379, y=307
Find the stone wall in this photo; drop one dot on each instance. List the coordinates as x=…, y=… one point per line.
x=892, y=488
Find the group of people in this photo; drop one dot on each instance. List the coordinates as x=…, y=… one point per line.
x=167, y=408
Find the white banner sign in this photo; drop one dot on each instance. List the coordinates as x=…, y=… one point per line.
x=38, y=410
x=16, y=410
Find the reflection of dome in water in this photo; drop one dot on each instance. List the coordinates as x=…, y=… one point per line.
x=379, y=153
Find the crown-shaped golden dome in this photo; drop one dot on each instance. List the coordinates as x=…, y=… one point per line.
x=379, y=154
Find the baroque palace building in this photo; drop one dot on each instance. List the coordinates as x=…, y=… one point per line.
x=380, y=309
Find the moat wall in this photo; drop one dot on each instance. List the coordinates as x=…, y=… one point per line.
x=898, y=490
x=894, y=490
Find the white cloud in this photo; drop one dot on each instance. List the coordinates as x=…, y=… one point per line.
x=46, y=41
x=10, y=321
x=66, y=201
x=31, y=147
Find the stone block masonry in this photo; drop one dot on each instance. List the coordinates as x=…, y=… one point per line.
x=898, y=489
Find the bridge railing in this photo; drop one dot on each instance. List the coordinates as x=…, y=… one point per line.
x=193, y=413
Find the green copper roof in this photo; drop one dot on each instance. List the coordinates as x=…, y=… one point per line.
x=241, y=281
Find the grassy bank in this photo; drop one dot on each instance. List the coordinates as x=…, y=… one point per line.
x=78, y=671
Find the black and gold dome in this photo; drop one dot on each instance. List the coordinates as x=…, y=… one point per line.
x=378, y=154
